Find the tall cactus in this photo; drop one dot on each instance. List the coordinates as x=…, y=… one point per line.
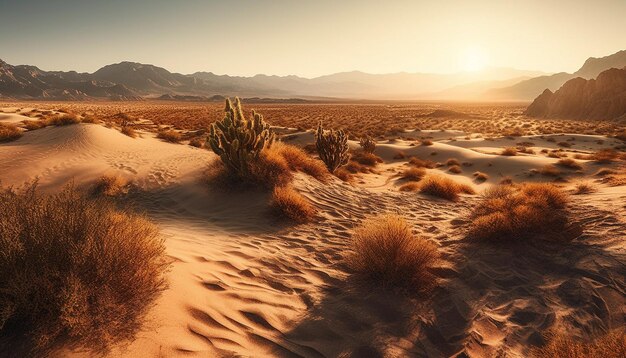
x=332, y=147
x=237, y=140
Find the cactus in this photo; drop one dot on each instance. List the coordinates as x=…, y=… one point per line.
x=332, y=147
x=368, y=144
x=239, y=141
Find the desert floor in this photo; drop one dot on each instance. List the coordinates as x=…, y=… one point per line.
x=243, y=284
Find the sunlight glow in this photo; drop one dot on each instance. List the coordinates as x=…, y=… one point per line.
x=473, y=59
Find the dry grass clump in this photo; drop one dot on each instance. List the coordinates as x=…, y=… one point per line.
x=366, y=158
x=169, y=135
x=455, y=169
x=74, y=271
x=549, y=171
x=605, y=155
x=413, y=174
x=33, y=125
x=421, y=163
x=64, y=120
x=569, y=163
x=110, y=185
x=443, y=187
x=480, y=176
x=519, y=212
x=298, y=160
x=584, y=188
x=129, y=131
x=9, y=132
x=610, y=345
x=386, y=251
x=426, y=142
x=197, y=142
x=289, y=204
x=453, y=161
x=410, y=186
x=509, y=152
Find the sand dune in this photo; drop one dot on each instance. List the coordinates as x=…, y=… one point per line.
x=243, y=284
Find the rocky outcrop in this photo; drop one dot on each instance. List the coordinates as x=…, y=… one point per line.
x=600, y=98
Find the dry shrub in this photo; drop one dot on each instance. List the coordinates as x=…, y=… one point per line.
x=443, y=187
x=9, y=132
x=386, y=251
x=169, y=135
x=286, y=203
x=519, y=212
x=453, y=161
x=270, y=170
x=426, y=142
x=413, y=174
x=298, y=160
x=569, y=163
x=564, y=144
x=74, y=271
x=610, y=345
x=410, y=186
x=455, y=169
x=110, y=185
x=509, y=152
x=399, y=155
x=64, y=120
x=197, y=142
x=343, y=174
x=129, y=131
x=366, y=158
x=605, y=155
x=480, y=176
x=33, y=125
x=549, y=171
x=420, y=163
x=584, y=188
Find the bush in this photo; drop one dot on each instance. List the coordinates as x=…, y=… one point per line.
x=365, y=158
x=584, y=188
x=368, y=144
x=550, y=171
x=332, y=147
x=288, y=204
x=569, y=163
x=426, y=142
x=9, y=132
x=110, y=185
x=73, y=270
x=33, y=125
x=410, y=186
x=610, y=345
x=455, y=169
x=298, y=160
x=515, y=213
x=64, y=120
x=197, y=142
x=445, y=188
x=239, y=141
x=129, y=131
x=413, y=174
x=452, y=162
x=509, y=151
x=386, y=251
x=169, y=135
x=420, y=163
x=480, y=177
x=605, y=155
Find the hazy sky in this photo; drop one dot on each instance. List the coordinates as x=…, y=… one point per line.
x=311, y=38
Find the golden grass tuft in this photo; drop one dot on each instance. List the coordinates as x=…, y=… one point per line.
x=519, y=212
x=443, y=187
x=388, y=253
x=9, y=132
x=605, y=155
x=64, y=119
x=480, y=176
x=413, y=174
x=549, y=171
x=610, y=345
x=366, y=158
x=34, y=125
x=299, y=160
x=584, y=188
x=509, y=152
x=410, y=186
x=455, y=169
x=569, y=163
x=169, y=135
x=74, y=271
x=129, y=131
x=286, y=203
x=452, y=162
x=420, y=163
x=110, y=185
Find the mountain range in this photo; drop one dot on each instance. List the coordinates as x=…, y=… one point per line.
x=136, y=81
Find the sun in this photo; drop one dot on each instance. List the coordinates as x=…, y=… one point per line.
x=473, y=59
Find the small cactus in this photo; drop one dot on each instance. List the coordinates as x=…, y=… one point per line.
x=332, y=147
x=368, y=144
x=239, y=141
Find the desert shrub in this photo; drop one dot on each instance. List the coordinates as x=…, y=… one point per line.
x=584, y=188
x=564, y=144
x=9, y=132
x=169, y=135
x=110, y=185
x=269, y=170
x=399, y=155
x=605, y=171
x=426, y=142
x=509, y=151
x=455, y=169
x=239, y=141
x=365, y=158
x=343, y=174
x=298, y=160
x=480, y=176
x=386, y=251
x=605, y=155
x=443, y=187
x=610, y=345
x=332, y=147
x=64, y=120
x=33, y=125
x=519, y=212
x=410, y=186
x=368, y=144
x=549, y=171
x=129, y=131
x=197, y=142
x=453, y=161
x=420, y=163
x=413, y=174
x=74, y=271
x=569, y=163
x=286, y=203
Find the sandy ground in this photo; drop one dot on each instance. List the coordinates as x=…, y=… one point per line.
x=242, y=284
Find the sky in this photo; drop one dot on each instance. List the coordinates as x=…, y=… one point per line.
x=311, y=38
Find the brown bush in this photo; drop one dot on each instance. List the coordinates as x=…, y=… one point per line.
x=455, y=169
x=129, y=131
x=569, y=163
x=9, y=132
x=515, y=213
x=298, y=160
x=549, y=171
x=605, y=155
x=169, y=135
x=453, y=161
x=443, y=187
x=365, y=158
x=480, y=176
x=584, y=188
x=286, y=203
x=420, y=163
x=64, y=120
x=610, y=345
x=413, y=174
x=509, y=151
x=343, y=174
x=386, y=251
x=110, y=185
x=74, y=271
x=426, y=142
x=197, y=142
x=33, y=125
x=410, y=186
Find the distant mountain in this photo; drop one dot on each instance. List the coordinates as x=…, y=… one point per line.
x=529, y=89
x=600, y=98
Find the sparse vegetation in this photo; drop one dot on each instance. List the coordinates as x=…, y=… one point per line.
x=569, y=163
x=445, y=188
x=386, y=251
x=550, y=171
x=509, y=151
x=169, y=135
x=64, y=119
x=286, y=203
x=332, y=147
x=455, y=169
x=413, y=174
x=610, y=345
x=110, y=185
x=584, y=188
x=9, y=132
x=480, y=177
x=74, y=271
x=368, y=144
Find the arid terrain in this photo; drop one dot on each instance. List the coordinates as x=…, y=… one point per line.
x=479, y=184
